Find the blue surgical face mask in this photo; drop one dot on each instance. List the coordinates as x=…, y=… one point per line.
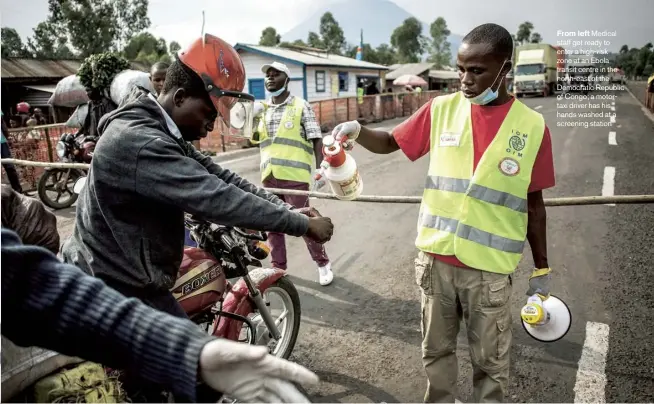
x=280, y=91
x=488, y=95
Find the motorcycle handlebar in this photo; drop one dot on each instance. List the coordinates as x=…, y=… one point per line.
x=258, y=235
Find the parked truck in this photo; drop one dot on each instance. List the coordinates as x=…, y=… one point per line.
x=535, y=69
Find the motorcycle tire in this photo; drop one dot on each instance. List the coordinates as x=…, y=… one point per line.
x=43, y=196
x=287, y=286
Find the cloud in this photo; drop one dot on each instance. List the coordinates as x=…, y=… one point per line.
x=233, y=20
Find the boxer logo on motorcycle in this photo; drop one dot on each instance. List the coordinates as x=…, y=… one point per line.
x=145, y=175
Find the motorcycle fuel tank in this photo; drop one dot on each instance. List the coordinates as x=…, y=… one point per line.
x=201, y=281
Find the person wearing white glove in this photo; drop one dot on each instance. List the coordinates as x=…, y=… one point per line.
x=472, y=229
x=250, y=374
x=78, y=315
x=290, y=140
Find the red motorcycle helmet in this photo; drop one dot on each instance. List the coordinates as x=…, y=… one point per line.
x=221, y=69
x=23, y=107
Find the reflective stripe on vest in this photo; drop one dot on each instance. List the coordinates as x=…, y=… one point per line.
x=480, y=218
x=287, y=155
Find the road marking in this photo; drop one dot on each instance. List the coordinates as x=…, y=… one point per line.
x=612, y=118
x=591, y=377
x=612, y=139
x=608, y=185
x=538, y=107
x=613, y=108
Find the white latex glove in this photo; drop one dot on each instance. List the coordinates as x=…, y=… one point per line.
x=257, y=109
x=349, y=130
x=249, y=373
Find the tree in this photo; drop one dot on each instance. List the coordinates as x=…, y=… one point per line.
x=524, y=32
x=332, y=34
x=536, y=38
x=386, y=55
x=408, y=40
x=297, y=42
x=270, y=37
x=48, y=43
x=145, y=48
x=441, y=55
x=174, y=47
x=95, y=26
x=12, y=44
x=624, y=49
x=315, y=41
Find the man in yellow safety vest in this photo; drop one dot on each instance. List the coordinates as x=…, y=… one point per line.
x=290, y=140
x=490, y=159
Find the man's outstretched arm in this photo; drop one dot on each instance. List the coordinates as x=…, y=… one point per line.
x=165, y=174
x=77, y=315
x=231, y=177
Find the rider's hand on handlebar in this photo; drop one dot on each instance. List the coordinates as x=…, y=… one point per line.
x=249, y=373
x=320, y=229
x=309, y=211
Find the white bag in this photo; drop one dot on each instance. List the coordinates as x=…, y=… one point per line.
x=125, y=81
x=69, y=93
x=79, y=116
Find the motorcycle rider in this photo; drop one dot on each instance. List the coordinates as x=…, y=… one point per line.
x=129, y=229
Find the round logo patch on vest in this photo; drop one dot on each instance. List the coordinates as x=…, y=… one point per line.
x=509, y=166
x=288, y=125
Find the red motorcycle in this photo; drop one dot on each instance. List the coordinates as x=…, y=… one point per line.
x=236, y=310
x=56, y=183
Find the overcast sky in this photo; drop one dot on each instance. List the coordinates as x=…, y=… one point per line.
x=243, y=20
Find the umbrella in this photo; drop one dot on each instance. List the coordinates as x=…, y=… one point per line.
x=409, y=80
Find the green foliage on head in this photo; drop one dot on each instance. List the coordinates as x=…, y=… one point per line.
x=98, y=71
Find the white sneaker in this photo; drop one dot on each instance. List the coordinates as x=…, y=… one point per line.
x=326, y=274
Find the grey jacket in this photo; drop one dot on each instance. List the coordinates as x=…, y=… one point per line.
x=129, y=228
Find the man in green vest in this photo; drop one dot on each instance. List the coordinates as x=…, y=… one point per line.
x=290, y=141
x=490, y=158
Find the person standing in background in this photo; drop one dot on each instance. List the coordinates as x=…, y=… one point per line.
x=289, y=137
x=158, y=76
x=12, y=174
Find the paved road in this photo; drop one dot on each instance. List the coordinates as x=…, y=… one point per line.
x=361, y=334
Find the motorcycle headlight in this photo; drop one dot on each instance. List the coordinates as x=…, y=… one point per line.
x=61, y=149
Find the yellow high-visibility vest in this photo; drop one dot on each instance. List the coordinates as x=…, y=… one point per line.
x=359, y=95
x=480, y=217
x=287, y=155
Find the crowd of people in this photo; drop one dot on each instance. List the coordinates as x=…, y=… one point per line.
x=110, y=300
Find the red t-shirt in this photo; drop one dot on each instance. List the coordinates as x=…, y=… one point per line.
x=413, y=137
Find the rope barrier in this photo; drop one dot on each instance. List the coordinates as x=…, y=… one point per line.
x=567, y=201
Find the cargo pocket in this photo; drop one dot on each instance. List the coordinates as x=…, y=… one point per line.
x=504, y=335
x=423, y=274
x=496, y=289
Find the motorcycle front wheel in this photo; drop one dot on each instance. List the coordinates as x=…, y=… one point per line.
x=51, y=188
x=287, y=319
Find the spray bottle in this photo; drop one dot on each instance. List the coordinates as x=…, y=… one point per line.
x=340, y=169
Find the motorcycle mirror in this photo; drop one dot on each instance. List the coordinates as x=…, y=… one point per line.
x=79, y=185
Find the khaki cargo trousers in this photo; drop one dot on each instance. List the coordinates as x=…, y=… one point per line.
x=482, y=300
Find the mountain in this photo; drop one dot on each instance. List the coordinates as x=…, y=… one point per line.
x=377, y=18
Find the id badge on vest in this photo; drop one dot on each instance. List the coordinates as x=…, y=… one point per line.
x=449, y=139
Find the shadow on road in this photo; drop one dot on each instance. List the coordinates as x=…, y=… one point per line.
x=357, y=309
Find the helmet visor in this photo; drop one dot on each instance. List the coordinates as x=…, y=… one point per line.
x=235, y=110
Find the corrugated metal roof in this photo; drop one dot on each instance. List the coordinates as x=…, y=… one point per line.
x=45, y=89
x=38, y=68
x=311, y=58
x=444, y=74
x=409, y=68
